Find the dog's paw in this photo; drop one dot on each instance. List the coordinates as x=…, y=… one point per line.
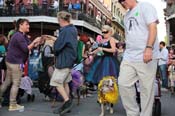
x=102, y=114
x=111, y=111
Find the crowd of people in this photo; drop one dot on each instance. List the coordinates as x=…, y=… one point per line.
x=36, y=7
x=136, y=60
x=170, y=9
x=31, y=7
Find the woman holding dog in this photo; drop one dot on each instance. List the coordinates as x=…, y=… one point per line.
x=106, y=63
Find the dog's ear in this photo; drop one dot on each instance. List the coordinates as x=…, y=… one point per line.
x=104, y=83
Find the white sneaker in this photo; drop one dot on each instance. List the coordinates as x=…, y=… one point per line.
x=16, y=107
x=111, y=111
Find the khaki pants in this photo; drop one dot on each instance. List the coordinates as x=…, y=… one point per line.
x=130, y=72
x=14, y=74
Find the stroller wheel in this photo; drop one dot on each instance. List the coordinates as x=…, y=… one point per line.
x=33, y=98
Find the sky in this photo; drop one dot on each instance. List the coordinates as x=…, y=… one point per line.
x=161, y=26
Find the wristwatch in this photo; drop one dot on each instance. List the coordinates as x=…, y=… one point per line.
x=149, y=47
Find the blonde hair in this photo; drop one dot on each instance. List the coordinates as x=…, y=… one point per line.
x=108, y=28
x=64, y=15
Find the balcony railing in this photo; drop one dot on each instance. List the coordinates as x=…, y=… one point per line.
x=28, y=10
x=35, y=10
x=119, y=21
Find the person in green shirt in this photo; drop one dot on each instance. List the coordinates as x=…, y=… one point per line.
x=11, y=32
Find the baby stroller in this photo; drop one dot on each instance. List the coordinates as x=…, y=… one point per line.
x=157, y=102
x=47, y=59
x=25, y=87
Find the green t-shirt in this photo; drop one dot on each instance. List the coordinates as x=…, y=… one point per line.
x=11, y=32
x=80, y=49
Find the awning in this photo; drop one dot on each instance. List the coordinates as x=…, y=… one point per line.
x=48, y=19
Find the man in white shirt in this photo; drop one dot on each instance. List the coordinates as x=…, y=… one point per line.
x=140, y=57
x=163, y=59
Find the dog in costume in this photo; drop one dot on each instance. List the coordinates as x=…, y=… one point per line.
x=107, y=93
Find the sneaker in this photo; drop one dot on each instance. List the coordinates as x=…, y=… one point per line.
x=15, y=107
x=58, y=110
x=66, y=107
x=111, y=111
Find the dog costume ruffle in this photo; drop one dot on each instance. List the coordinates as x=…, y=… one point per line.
x=110, y=96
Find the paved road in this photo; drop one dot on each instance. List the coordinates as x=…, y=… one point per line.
x=87, y=107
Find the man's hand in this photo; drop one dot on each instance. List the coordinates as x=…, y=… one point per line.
x=147, y=56
x=37, y=41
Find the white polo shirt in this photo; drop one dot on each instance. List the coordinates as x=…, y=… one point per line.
x=163, y=56
x=136, y=23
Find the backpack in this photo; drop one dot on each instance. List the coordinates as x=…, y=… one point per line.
x=47, y=56
x=34, y=65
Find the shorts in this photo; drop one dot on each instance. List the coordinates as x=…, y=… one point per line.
x=60, y=77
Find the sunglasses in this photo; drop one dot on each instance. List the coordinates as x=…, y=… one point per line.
x=120, y=1
x=104, y=32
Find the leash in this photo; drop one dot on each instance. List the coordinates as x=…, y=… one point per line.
x=79, y=63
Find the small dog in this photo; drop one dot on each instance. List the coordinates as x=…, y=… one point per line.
x=107, y=94
x=81, y=91
x=78, y=85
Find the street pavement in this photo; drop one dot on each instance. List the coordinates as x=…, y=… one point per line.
x=88, y=107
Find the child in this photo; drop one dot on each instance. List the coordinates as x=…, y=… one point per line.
x=171, y=70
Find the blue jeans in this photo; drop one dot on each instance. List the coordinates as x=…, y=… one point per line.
x=163, y=74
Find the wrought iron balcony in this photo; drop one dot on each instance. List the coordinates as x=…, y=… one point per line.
x=35, y=10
